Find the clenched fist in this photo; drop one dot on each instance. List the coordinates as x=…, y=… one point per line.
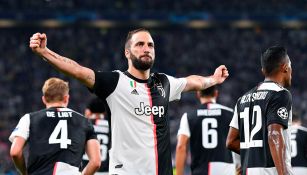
x=220, y=74
x=38, y=43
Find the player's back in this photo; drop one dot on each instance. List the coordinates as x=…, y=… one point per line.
x=101, y=128
x=57, y=135
x=265, y=104
x=208, y=131
x=299, y=150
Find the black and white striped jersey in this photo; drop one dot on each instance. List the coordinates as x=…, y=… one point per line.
x=56, y=138
x=266, y=104
x=140, y=136
x=102, y=129
x=207, y=128
x=299, y=149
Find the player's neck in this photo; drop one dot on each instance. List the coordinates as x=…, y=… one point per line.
x=143, y=75
x=56, y=104
x=275, y=79
x=204, y=100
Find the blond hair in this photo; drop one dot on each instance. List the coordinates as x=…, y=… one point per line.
x=55, y=89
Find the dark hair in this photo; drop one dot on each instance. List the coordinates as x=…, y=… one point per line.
x=208, y=92
x=96, y=106
x=131, y=33
x=296, y=116
x=272, y=58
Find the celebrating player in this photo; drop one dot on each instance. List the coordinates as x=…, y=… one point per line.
x=137, y=101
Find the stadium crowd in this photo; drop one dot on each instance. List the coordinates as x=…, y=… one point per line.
x=179, y=52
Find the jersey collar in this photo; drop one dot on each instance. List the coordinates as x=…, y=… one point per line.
x=136, y=79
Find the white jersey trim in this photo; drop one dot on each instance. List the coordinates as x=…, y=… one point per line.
x=234, y=122
x=270, y=86
x=219, y=106
x=61, y=168
x=22, y=129
x=184, y=128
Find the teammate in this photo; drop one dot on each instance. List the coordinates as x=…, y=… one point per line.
x=56, y=137
x=298, y=146
x=96, y=112
x=206, y=129
x=137, y=102
x=259, y=128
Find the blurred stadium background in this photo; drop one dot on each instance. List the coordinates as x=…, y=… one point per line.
x=191, y=37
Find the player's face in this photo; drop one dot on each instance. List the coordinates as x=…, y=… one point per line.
x=142, y=51
x=288, y=76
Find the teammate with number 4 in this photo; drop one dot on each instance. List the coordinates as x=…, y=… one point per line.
x=206, y=130
x=260, y=128
x=56, y=137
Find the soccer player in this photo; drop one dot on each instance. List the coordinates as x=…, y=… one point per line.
x=56, y=137
x=206, y=129
x=259, y=128
x=96, y=113
x=298, y=146
x=137, y=101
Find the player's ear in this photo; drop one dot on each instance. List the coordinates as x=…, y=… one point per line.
x=44, y=100
x=216, y=93
x=127, y=53
x=284, y=68
x=66, y=99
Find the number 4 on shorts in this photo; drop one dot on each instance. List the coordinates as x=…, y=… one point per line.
x=61, y=128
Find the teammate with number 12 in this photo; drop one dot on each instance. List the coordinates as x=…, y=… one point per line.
x=56, y=137
x=205, y=128
x=260, y=128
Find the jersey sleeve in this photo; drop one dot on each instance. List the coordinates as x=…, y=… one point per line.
x=235, y=121
x=90, y=131
x=22, y=129
x=176, y=87
x=184, y=128
x=105, y=83
x=279, y=108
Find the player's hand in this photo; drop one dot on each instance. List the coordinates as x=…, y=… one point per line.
x=220, y=74
x=38, y=43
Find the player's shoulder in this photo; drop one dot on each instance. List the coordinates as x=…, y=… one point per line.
x=220, y=106
x=302, y=128
x=273, y=88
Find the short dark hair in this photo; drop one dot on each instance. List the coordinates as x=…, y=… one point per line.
x=296, y=117
x=131, y=33
x=96, y=105
x=272, y=58
x=208, y=92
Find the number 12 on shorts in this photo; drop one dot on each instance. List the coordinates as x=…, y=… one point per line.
x=249, y=142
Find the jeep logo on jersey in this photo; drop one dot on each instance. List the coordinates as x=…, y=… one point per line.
x=282, y=113
x=147, y=110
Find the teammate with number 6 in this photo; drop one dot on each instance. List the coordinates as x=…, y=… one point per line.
x=260, y=128
x=56, y=137
x=206, y=129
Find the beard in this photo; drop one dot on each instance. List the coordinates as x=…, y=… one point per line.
x=140, y=64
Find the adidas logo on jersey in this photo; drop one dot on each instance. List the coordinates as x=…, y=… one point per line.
x=147, y=110
x=135, y=92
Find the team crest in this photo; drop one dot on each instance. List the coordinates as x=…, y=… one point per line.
x=161, y=90
x=282, y=113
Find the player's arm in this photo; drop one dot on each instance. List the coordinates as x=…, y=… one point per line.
x=181, y=153
x=233, y=140
x=196, y=82
x=277, y=148
x=92, y=150
x=38, y=44
x=16, y=153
